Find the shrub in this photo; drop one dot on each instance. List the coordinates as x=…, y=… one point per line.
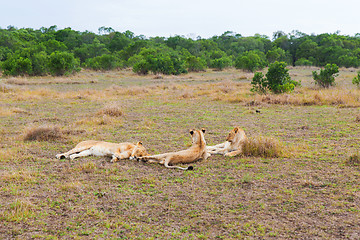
x=356, y=80
x=259, y=83
x=220, y=63
x=40, y=64
x=195, y=64
x=112, y=110
x=303, y=62
x=16, y=65
x=353, y=160
x=43, y=133
x=251, y=61
x=277, y=80
x=263, y=147
x=158, y=61
x=326, y=77
x=103, y=62
x=61, y=63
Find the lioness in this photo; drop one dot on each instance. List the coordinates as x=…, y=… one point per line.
x=232, y=146
x=98, y=148
x=195, y=152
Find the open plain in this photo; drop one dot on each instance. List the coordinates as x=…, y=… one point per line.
x=311, y=192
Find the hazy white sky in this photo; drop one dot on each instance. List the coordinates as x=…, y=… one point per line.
x=204, y=18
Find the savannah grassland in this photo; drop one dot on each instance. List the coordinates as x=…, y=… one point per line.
x=311, y=192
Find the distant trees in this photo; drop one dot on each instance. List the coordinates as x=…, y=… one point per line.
x=38, y=52
x=251, y=61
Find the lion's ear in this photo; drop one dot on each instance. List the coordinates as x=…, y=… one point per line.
x=203, y=130
x=191, y=131
x=139, y=143
x=236, y=129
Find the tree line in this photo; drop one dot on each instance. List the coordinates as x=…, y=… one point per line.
x=44, y=51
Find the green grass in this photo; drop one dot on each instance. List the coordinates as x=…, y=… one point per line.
x=312, y=192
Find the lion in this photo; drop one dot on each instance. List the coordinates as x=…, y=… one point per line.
x=233, y=145
x=117, y=151
x=196, y=152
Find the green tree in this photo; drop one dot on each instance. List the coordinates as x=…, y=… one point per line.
x=251, y=61
x=277, y=80
x=103, y=62
x=61, y=63
x=326, y=77
x=16, y=65
x=356, y=80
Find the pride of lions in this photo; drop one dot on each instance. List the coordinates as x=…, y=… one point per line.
x=198, y=150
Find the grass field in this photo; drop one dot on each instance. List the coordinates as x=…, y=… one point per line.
x=313, y=192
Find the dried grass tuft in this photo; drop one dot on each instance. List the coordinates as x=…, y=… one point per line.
x=354, y=160
x=43, y=133
x=5, y=88
x=112, y=110
x=263, y=147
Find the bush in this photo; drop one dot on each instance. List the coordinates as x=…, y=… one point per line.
x=40, y=64
x=356, y=80
x=263, y=147
x=61, y=63
x=353, y=160
x=195, y=64
x=220, y=63
x=303, y=62
x=16, y=65
x=250, y=61
x=326, y=78
x=158, y=61
x=103, y=62
x=44, y=133
x=277, y=80
x=259, y=83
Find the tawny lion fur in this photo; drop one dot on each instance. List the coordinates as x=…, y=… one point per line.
x=117, y=151
x=195, y=152
x=232, y=146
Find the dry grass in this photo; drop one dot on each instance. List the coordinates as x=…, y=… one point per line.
x=5, y=88
x=308, y=194
x=303, y=97
x=354, y=160
x=42, y=133
x=263, y=147
x=112, y=110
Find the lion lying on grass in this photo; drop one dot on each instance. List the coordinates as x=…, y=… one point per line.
x=117, y=151
x=233, y=145
x=195, y=152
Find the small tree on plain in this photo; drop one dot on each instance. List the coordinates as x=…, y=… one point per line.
x=277, y=80
x=356, y=80
x=326, y=77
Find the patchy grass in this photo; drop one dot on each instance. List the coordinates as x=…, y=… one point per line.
x=310, y=190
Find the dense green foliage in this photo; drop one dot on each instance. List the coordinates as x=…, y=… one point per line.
x=326, y=77
x=34, y=52
x=276, y=80
x=356, y=80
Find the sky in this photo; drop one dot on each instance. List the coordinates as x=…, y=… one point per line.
x=189, y=18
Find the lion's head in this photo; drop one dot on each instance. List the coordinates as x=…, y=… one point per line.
x=234, y=134
x=198, y=136
x=139, y=151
